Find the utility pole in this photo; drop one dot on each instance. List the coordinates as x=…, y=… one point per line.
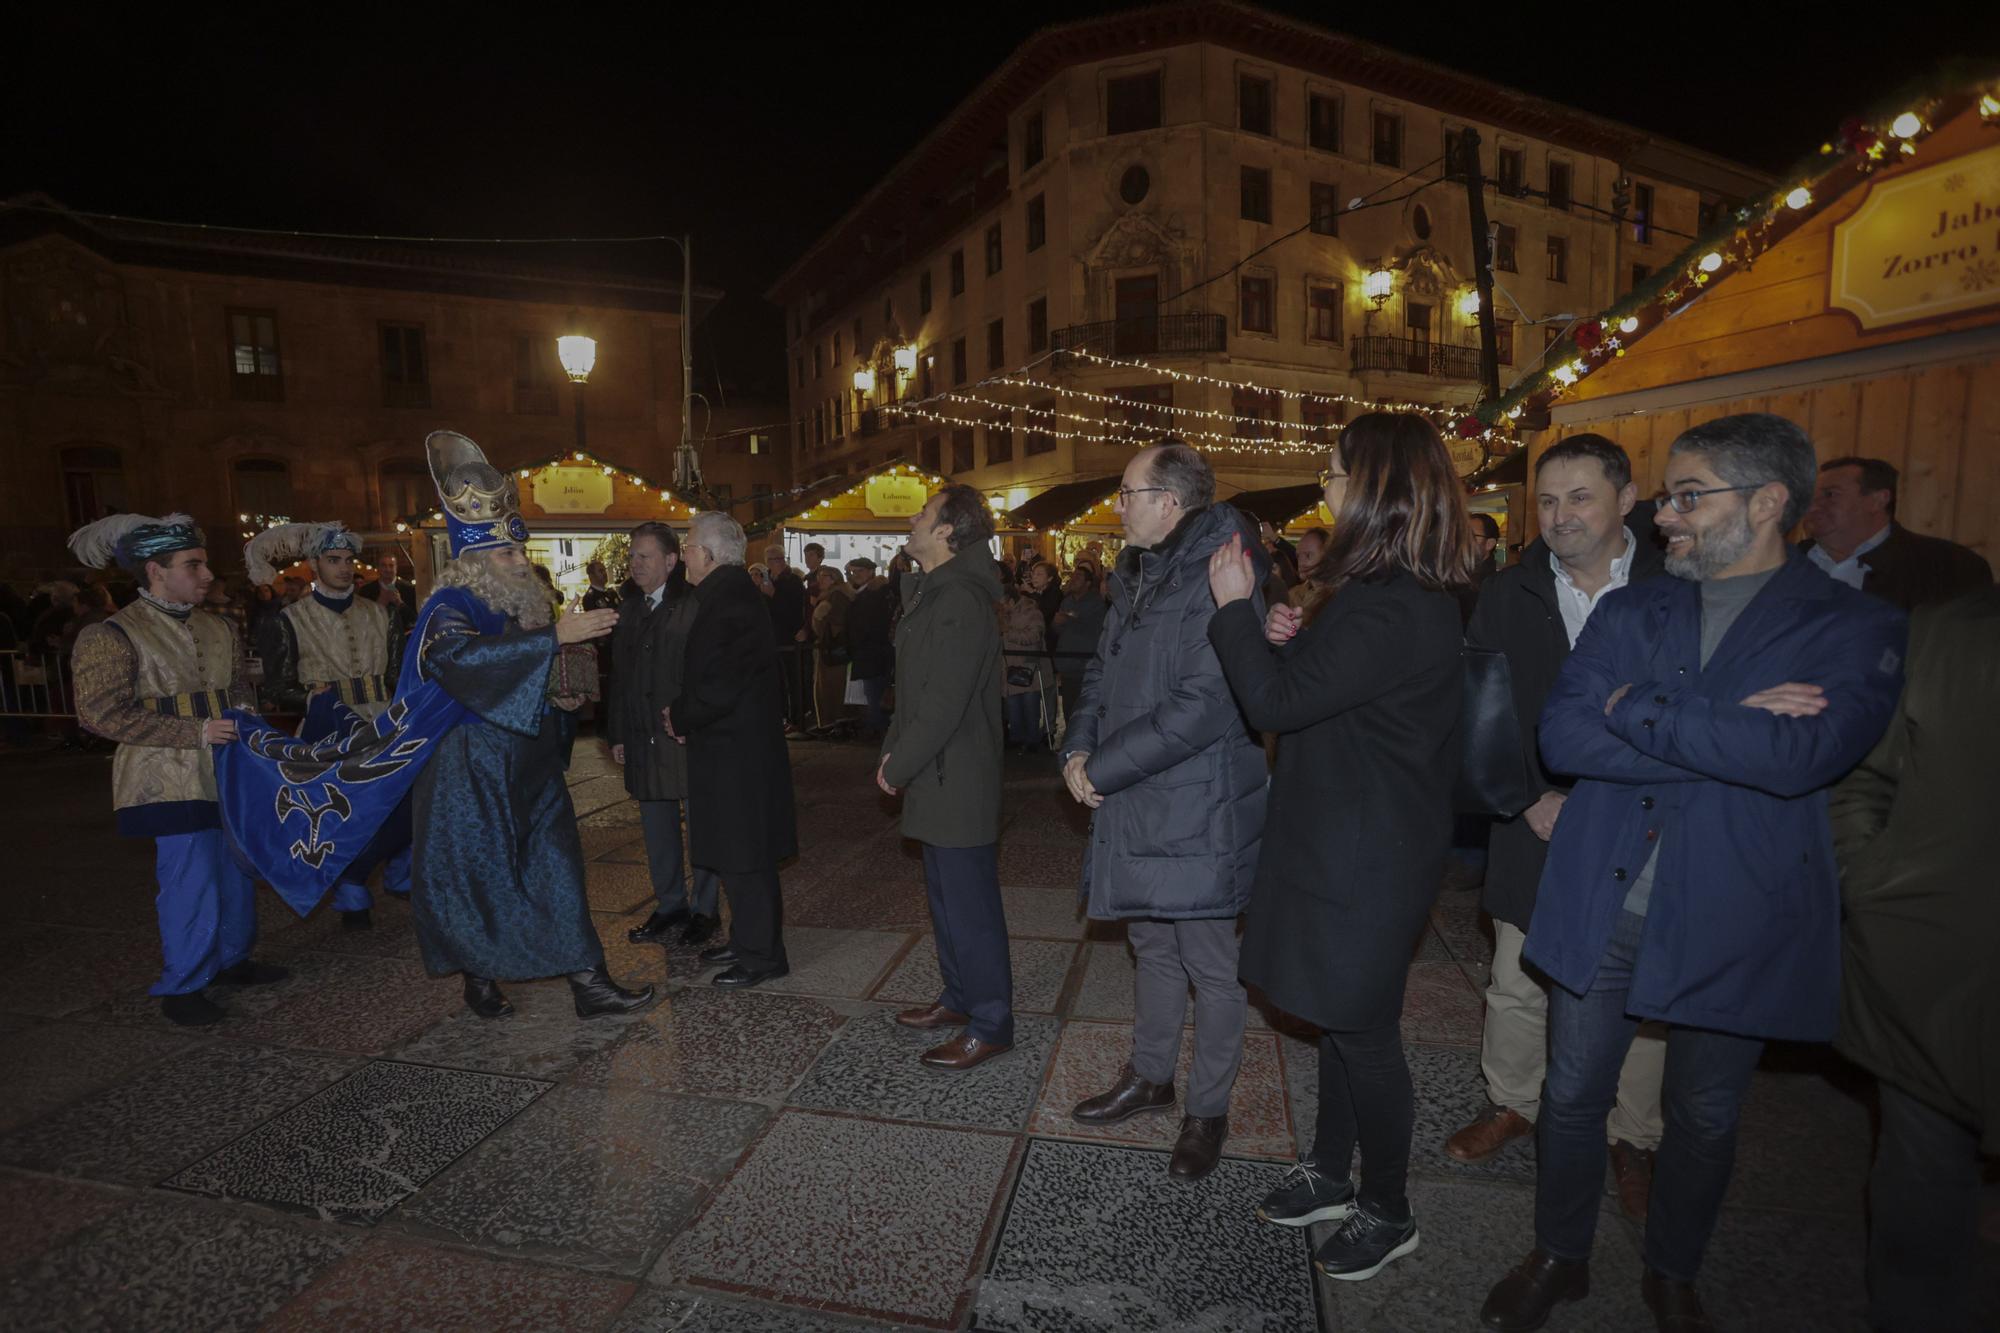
x=1482, y=263
x=687, y=462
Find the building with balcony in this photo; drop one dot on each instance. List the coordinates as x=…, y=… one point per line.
x=1155, y=212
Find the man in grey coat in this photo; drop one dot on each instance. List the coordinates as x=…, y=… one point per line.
x=942, y=754
x=1159, y=749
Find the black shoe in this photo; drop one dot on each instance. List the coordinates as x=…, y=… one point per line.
x=192, y=1010
x=1127, y=1097
x=1523, y=1299
x=1364, y=1244
x=1675, y=1307
x=720, y=956
x=249, y=972
x=740, y=977
x=359, y=919
x=597, y=995
x=1307, y=1195
x=483, y=998
x=700, y=929
x=1199, y=1147
x=656, y=927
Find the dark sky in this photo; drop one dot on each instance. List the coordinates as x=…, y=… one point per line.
x=754, y=128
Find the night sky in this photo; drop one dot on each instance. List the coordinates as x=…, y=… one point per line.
x=755, y=132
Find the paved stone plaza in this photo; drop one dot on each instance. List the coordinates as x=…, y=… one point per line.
x=351, y=1149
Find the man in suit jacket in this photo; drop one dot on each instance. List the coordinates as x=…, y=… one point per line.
x=730, y=714
x=1854, y=537
x=1691, y=877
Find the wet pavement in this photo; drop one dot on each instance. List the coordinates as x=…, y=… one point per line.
x=351, y=1149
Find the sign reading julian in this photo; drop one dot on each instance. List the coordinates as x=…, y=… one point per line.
x=572, y=490
x=1922, y=246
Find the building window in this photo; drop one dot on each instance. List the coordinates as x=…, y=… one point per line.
x=836, y=354
x=930, y=454
x=1324, y=302
x=1038, y=325
x=857, y=335
x=1512, y=170
x=1031, y=140
x=1256, y=194
x=958, y=360
x=993, y=253
x=1707, y=213
x=819, y=425
x=1255, y=316
x=924, y=292
x=1454, y=154
x=1256, y=410
x=1325, y=208
x=927, y=372
x=1323, y=122
x=93, y=483
x=1558, y=259
x=406, y=373
x=958, y=273
x=1132, y=103
x=1253, y=103
x=1144, y=408
x=262, y=488
x=534, y=376
x=1388, y=149
x=1038, y=223
x=406, y=489
x=1039, y=423
x=1559, y=178
x=996, y=344
x=1505, y=238
x=1132, y=186
x=1642, y=214
x=255, y=372
x=1551, y=336
x=1420, y=222
x=961, y=449
x=1000, y=443
x=762, y=500
x=1321, y=420
x=1503, y=339
x=799, y=367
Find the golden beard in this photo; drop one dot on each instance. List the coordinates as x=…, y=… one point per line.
x=512, y=590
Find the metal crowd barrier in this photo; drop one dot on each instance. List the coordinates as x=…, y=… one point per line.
x=35, y=684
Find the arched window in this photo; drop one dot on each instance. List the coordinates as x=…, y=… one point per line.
x=93, y=482
x=262, y=487
x=406, y=489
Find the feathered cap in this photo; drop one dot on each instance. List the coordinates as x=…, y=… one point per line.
x=482, y=505
x=282, y=543
x=130, y=540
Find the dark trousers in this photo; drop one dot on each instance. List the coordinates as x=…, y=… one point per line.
x=1923, y=1197
x=1701, y=1097
x=661, y=821
x=1365, y=1098
x=874, y=717
x=1023, y=714
x=970, y=926
x=792, y=665
x=756, y=918
x=1070, y=690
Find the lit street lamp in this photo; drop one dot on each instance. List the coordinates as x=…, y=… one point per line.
x=578, y=355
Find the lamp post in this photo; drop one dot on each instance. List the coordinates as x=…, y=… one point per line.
x=577, y=354
x=1376, y=285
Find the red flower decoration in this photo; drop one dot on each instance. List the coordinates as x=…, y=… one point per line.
x=1470, y=428
x=1588, y=335
x=1857, y=135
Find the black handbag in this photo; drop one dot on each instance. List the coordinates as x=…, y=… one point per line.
x=1493, y=777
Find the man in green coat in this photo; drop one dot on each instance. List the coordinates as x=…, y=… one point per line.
x=1920, y=998
x=943, y=753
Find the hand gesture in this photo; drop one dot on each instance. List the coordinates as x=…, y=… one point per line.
x=1790, y=700
x=1618, y=694
x=1231, y=576
x=1080, y=785
x=667, y=720
x=1541, y=816
x=1282, y=625
x=882, y=781
x=218, y=731
x=578, y=626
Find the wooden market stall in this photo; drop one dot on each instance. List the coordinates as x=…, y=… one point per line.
x=866, y=514
x=1071, y=519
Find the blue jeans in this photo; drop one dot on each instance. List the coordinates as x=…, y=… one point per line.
x=1707, y=1075
x=1024, y=717
x=970, y=926
x=661, y=822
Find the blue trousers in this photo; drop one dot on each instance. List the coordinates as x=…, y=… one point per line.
x=970, y=926
x=208, y=918
x=661, y=821
x=1702, y=1096
x=1023, y=714
x=874, y=717
x=351, y=895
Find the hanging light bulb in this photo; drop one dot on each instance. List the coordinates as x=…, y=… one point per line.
x=1629, y=324
x=1711, y=261
x=1907, y=126
x=1798, y=198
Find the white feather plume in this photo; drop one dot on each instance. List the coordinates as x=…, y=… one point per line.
x=279, y=545
x=96, y=544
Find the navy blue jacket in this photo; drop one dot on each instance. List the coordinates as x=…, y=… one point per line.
x=1743, y=927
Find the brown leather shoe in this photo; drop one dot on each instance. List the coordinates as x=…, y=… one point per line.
x=1633, y=1168
x=963, y=1052
x=931, y=1016
x=1128, y=1097
x=1675, y=1307
x=1199, y=1147
x=1496, y=1127
x=1523, y=1299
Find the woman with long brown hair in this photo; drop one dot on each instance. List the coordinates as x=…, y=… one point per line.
x=1364, y=702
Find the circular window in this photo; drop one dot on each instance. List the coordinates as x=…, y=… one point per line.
x=1132, y=186
x=1421, y=220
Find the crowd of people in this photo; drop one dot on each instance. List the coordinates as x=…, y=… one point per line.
x=1717, y=733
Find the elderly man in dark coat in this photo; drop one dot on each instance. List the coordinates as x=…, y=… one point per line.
x=731, y=715
x=647, y=650
x=1160, y=750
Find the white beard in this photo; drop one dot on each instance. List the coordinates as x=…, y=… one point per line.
x=518, y=595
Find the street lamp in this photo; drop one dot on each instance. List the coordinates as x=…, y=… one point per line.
x=578, y=355
x=1376, y=284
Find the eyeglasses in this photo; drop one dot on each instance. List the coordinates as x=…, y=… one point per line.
x=1685, y=501
x=1125, y=493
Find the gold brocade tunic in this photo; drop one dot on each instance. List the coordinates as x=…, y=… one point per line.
x=348, y=650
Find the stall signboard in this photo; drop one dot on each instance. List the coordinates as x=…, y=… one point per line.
x=1467, y=456
x=895, y=495
x=572, y=490
x=1923, y=245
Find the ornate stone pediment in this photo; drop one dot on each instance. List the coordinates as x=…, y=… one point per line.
x=1428, y=271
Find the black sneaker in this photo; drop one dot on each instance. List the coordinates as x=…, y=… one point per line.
x=1307, y=1195
x=1364, y=1245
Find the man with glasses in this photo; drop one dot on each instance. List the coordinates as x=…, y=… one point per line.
x=1691, y=876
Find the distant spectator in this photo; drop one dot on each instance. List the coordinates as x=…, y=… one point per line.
x=871, y=652
x=785, y=597
x=830, y=650
x=1078, y=623
x=1485, y=536
x=1024, y=637
x=1853, y=535
x=1045, y=586
x=815, y=557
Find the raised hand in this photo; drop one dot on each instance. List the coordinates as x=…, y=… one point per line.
x=578, y=626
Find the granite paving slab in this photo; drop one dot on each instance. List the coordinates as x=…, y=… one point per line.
x=601, y=792
x=1466, y=931
x=393, y=935
x=1770, y=1269
x=38, y=1213
x=859, y=897
x=177, y=1111
x=242, y=1004
x=543, y=1038
x=623, y=839
x=750, y=1045
x=48, y=1064
x=596, y=1178
x=846, y=964
x=1801, y=1143
x=1040, y=968
x=1040, y=865
x=392, y=1285
x=846, y=1215
x=1101, y=1238
x=1091, y=1056
x=663, y=1310
x=614, y=886
x=872, y=1068
x=356, y=1150
x=64, y=970
x=362, y=1006
x=1440, y=1005
x=1043, y=913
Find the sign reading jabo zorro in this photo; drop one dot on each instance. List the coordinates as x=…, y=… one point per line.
x=895, y=496
x=1925, y=245
x=572, y=490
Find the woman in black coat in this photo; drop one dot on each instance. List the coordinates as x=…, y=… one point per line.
x=1364, y=702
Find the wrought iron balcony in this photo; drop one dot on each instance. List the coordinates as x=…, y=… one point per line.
x=1146, y=335
x=1416, y=356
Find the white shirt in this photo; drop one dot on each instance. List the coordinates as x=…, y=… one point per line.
x=1849, y=571
x=653, y=597
x=1576, y=604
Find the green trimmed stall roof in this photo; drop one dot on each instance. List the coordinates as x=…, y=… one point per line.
x=1059, y=505
x=1279, y=505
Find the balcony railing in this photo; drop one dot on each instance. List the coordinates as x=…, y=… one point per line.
x=1145, y=336
x=1416, y=356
